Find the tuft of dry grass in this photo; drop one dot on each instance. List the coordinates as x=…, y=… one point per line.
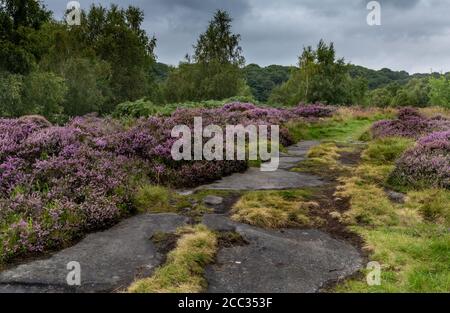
x=184, y=269
x=435, y=111
x=273, y=209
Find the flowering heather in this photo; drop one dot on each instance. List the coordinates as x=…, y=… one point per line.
x=409, y=124
x=314, y=110
x=427, y=164
x=59, y=182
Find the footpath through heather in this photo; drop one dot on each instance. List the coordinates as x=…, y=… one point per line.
x=284, y=260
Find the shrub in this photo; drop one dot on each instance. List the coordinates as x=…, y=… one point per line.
x=411, y=124
x=314, y=110
x=139, y=108
x=425, y=165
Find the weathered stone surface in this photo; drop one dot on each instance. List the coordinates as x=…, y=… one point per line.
x=396, y=197
x=212, y=200
x=108, y=260
x=255, y=179
x=291, y=260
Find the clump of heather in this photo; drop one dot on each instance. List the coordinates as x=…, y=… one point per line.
x=411, y=124
x=316, y=110
x=427, y=164
x=59, y=182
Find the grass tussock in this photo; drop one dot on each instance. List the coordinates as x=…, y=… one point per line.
x=274, y=209
x=184, y=269
x=152, y=199
x=386, y=150
x=323, y=159
x=433, y=205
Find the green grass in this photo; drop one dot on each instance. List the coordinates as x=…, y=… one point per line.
x=274, y=209
x=413, y=259
x=386, y=150
x=411, y=240
x=184, y=269
x=352, y=129
x=153, y=199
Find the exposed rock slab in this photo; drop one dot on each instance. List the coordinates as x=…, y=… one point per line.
x=255, y=179
x=290, y=260
x=108, y=260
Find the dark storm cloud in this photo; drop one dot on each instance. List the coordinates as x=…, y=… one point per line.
x=414, y=35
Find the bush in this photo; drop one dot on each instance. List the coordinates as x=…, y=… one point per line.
x=314, y=110
x=426, y=164
x=136, y=109
x=410, y=123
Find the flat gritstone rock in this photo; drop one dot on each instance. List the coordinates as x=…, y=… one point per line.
x=255, y=179
x=109, y=260
x=289, y=261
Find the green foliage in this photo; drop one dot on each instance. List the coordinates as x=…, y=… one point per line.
x=139, y=108
x=320, y=77
x=44, y=94
x=218, y=44
x=378, y=79
x=153, y=199
x=262, y=80
x=216, y=73
x=18, y=21
x=440, y=91
x=11, y=103
x=88, y=86
x=413, y=93
x=380, y=97
x=116, y=37
x=37, y=93
x=386, y=150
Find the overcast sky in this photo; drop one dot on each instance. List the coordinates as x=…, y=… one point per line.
x=414, y=35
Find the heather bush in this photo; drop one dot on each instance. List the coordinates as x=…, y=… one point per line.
x=316, y=110
x=410, y=123
x=425, y=165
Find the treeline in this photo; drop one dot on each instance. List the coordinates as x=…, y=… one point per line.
x=50, y=68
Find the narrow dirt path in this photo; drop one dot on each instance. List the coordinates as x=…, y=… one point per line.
x=291, y=260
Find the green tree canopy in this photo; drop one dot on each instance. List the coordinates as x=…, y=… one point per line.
x=215, y=73
x=440, y=91
x=319, y=77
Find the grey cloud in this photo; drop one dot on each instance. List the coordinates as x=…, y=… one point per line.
x=414, y=34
